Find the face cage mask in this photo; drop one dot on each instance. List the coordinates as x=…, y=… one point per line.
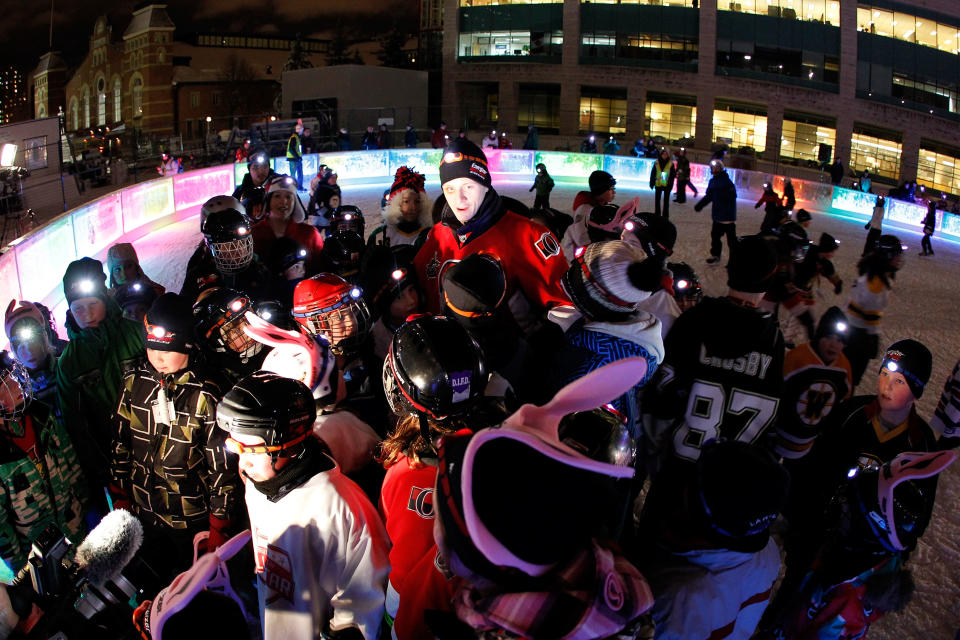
x=343, y=327
x=232, y=256
x=15, y=389
x=236, y=341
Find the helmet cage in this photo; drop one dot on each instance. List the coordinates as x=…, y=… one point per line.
x=232, y=256
x=344, y=323
x=16, y=389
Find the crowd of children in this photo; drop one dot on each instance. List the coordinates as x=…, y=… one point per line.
x=482, y=420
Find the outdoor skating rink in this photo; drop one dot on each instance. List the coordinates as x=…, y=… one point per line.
x=925, y=298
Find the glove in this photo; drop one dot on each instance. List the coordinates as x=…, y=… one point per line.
x=530, y=189
x=697, y=207
x=218, y=532
x=867, y=226
x=838, y=287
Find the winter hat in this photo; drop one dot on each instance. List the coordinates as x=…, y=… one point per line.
x=740, y=488
x=833, y=322
x=913, y=360
x=475, y=286
x=600, y=181
x=828, y=243
x=603, y=223
x=136, y=292
x=169, y=324
x=284, y=183
x=603, y=281
x=463, y=159
x=753, y=261
x=407, y=178
x=284, y=253
x=84, y=278
x=120, y=253
x=23, y=310
x=803, y=216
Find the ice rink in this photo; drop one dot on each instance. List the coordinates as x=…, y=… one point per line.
x=922, y=305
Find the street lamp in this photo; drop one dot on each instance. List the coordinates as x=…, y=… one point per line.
x=205, y=138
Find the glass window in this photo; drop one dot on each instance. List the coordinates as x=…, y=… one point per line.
x=194, y=99
x=539, y=105
x=880, y=156
x=603, y=110
x=825, y=11
x=35, y=152
x=939, y=170
x=739, y=128
x=801, y=140
x=674, y=122
x=927, y=33
x=490, y=3
x=510, y=43
x=101, y=109
x=137, y=84
x=947, y=38
x=904, y=26
x=117, y=111
x=86, y=108
x=882, y=23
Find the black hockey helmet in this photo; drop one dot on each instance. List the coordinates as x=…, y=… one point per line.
x=16, y=388
x=342, y=252
x=346, y=217
x=833, y=322
x=433, y=367
x=253, y=203
x=655, y=234
x=280, y=410
x=600, y=434
x=387, y=271
x=219, y=321
x=603, y=223
x=226, y=229
x=687, y=289
x=283, y=254
x=889, y=247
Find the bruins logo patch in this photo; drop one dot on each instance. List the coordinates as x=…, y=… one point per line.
x=547, y=246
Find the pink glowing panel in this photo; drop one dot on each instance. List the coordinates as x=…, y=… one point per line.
x=196, y=187
x=147, y=202
x=43, y=257
x=9, y=282
x=97, y=225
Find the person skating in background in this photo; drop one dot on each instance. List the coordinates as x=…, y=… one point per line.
x=789, y=196
x=169, y=165
x=929, y=225
x=489, y=141
x=874, y=227
x=320, y=546
x=343, y=140
x=603, y=189
x=406, y=216
x=439, y=139
x=169, y=466
x=611, y=147
x=869, y=297
x=773, y=211
x=504, y=142
x=683, y=177
x=532, y=141
x=384, y=138
x=103, y=346
x=723, y=195
x=326, y=199
x=662, y=176
x=543, y=184
x=589, y=144
x=410, y=137
x=836, y=172
x=41, y=482
x=638, y=148
x=258, y=173
x=295, y=155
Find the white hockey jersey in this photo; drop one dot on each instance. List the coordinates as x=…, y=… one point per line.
x=322, y=558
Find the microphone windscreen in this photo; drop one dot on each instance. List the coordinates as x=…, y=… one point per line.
x=110, y=546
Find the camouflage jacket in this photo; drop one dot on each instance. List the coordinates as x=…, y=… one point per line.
x=40, y=487
x=168, y=457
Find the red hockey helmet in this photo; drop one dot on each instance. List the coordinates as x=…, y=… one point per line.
x=329, y=306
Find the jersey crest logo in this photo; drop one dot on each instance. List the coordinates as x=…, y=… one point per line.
x=433, y=267
x=278, y=575
x=421, y=502
x=547, y=246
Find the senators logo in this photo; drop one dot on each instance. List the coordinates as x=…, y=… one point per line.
x=421, y=502
x=547, y=246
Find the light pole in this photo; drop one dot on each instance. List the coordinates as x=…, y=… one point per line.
x=206, y=137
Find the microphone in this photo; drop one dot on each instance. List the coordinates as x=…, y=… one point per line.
x=109, y=547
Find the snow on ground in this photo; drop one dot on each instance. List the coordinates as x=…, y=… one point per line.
x=922, y=306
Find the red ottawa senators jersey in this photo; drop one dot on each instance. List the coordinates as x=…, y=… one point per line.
x=811, y=389
x=721, y=379
x=529, y=254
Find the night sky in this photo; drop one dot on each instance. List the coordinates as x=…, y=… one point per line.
x=25, y=27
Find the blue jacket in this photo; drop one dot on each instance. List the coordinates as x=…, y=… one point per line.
x=723, y=195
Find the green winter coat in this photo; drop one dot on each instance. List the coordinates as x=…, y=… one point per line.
x=34, y=495
x=89, y=381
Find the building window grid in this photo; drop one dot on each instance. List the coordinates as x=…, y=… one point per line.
x=601, y=113
x=903, y=26
x=117, y=104
x=539, y=105
x=939, y=170
x=801, y=140
x=673, y=122
x=877, y=155
x=509, y=43
x=740, y=128
x=491, y=3
x=609, y=44
x=824, y=11
x=928, y=93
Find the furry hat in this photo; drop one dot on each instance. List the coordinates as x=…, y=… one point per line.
x=284, y=183
x=407, y=178
x=604, y=280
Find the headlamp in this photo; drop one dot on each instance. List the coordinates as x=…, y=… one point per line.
x=891, y=365
x=137, y=286
x=241, y=231
x=397, y=274
x=302, y=253
x=85, y=286
x=628, y=225
x=266, y=315
x=355, y=292
x=842, y=327
x=25, y=333
x=236, y=305
x=158, y=332
x=579, y=252
x=682, y=284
